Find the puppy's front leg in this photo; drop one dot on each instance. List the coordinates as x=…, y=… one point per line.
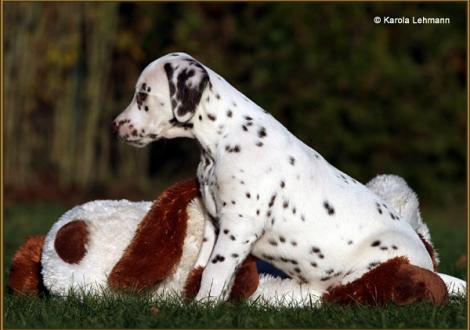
x=236, y=237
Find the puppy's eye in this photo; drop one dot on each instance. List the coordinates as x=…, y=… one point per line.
x=141, y=97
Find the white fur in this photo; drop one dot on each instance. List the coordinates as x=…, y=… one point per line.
x=246, y=156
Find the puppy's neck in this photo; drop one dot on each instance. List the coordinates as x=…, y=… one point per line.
x=221, y=112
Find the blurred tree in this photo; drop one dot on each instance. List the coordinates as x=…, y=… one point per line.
x=372, y=98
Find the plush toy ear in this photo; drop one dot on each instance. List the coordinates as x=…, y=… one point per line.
x=187, y=80
x=25, y=270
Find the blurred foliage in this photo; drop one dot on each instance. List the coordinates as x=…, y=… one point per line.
x=371, y=98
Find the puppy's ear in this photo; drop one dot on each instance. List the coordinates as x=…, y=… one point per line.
x=187, y=80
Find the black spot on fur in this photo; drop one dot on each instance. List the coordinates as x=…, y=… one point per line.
x=375, y=243
x=283, y=184
x=379, y=209
x=229, y=113
x=211, y=117
x=226, y=231
x=394, y=247
x=140, y=98
x=329, y=208
x=272, y=242
x=235, y=148
x=248, y=195
x=271, y=202
x=262, y=132
x=292, y=160
x=315, y=249
x=259, y=144
x=313, y=264
x=285, y=204
x=234, y=255
x=267, y=257
x=282, y=239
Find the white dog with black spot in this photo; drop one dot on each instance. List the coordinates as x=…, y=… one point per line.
x=267, y=192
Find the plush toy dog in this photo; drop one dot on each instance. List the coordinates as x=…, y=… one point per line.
x=159, y=246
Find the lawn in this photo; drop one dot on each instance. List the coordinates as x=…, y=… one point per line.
x=448, y=230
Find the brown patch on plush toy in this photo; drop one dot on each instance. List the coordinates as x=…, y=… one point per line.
x=193, y=283
x=394, y=281
x=158, y=243
x=430, y=250
x=245, y=283
x=246, y=280
x=70, y=241
x=25, y=271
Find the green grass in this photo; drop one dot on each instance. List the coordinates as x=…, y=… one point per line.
x=448, y=230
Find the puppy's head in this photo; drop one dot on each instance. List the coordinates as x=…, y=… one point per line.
x=166, y=97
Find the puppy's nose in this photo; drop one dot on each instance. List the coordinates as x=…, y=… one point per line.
x=115, y=127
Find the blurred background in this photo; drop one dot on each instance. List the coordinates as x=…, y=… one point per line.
x=371, y=98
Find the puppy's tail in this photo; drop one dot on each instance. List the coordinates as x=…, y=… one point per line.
x=395, y=190
x=25, y=271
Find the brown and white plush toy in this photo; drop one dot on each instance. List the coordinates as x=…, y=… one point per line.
x=159, y=246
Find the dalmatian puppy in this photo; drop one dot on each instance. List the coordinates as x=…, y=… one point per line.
x=267, y=192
